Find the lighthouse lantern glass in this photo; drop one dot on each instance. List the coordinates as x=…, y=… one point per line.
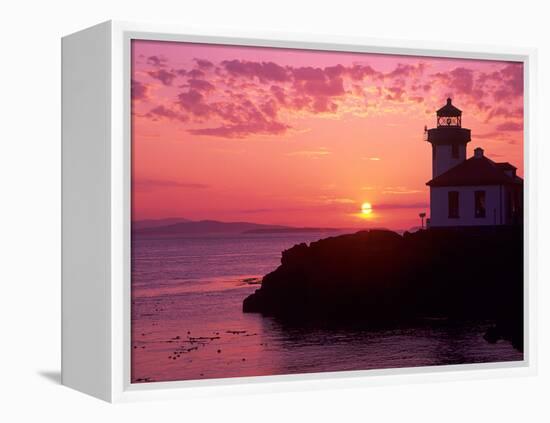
x=448, y=121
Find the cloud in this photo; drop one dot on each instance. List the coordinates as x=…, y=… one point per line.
x=237, y=118
x=269, y=108
x=308, y=74
x=512, y=86
x=204, y=64
x=192, y=101
x=279, y=94
x=359, y=72
x=504, y=112
x=263, y=71
x=486, y=135
x=403, y=71
x=156, y=61
x=355, y=72
x=395, y=94
x=180, y=72
x=240, y=98
x=321, y=152
x=510, y=126
x=459, y=81
x=392, y=206
x=336, y=206
x=316, y=92
x=195, y=73
x=322, y=88
x=139, y=90
x=163, y=112
x=495, y=94
x=150, y=184
x=242, y=130
x=200, y=85
x=416, y=99
x=462, y=80
x=328, y=200
x=163, y=76
x=399, y=190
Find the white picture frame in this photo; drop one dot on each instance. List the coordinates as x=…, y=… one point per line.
x=96, y=213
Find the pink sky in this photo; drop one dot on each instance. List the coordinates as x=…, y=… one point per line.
x=304, y=137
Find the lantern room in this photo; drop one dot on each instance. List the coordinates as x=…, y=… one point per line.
x=448, y=139
x=449, y=116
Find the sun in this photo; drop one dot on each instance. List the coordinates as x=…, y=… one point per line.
x=366, y=208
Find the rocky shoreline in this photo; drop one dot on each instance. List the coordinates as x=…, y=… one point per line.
x=378, y=277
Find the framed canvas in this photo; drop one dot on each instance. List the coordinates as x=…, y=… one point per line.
x=259, y=212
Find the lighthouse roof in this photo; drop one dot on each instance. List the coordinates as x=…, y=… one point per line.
x=449, y=110
x=477, y=170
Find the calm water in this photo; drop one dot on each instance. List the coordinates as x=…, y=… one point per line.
x=187, y=321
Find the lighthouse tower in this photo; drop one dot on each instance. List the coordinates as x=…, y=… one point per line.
x=448, y=139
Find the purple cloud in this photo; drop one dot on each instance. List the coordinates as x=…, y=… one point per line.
x=512, y=76
x=263, y=71
x=243, y=129
x=163, y=76
x=510, y=126
x=396, y=94
x=139, y=90
x=308, y=74
x=204, y=64
x=200, y=85
x=163, y=112
x=248, y=97
x=157, y=61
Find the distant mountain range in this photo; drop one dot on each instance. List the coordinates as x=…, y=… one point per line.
x=156, y=223
x=179, y=226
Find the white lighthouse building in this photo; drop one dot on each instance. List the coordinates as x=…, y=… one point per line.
x=473, y=191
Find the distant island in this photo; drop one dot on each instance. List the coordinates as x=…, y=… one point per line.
x=156, y=223
x=380, y=278
x=173, y=227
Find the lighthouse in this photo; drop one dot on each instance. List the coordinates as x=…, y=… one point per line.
x=448, y=139
x=473, y=191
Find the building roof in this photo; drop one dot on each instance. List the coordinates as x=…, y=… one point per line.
x=506, y=166
x=449, y=110
x=476, y=171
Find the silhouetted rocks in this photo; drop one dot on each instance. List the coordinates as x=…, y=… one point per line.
x=379, y=277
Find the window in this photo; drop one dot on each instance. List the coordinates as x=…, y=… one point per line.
x=455, y=151
x=479, y=201
x=453, y=204
x=448, y=121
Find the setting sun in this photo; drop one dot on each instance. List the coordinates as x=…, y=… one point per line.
x=366, y=208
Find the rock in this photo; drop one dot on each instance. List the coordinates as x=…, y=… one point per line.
x=492, y=335
x=379, y=277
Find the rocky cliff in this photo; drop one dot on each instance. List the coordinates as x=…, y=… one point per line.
x=379, y=277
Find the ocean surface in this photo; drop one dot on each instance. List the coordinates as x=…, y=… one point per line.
x=187, y=319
